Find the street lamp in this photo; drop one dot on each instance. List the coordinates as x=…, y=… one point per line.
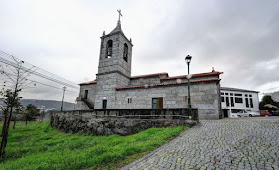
x=188, y=60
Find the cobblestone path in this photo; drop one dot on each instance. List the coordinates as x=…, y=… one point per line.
x=246, y=143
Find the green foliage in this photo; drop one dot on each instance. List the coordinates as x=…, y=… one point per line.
x=31, y=112
x=38, y=146
x=267, y=100
x=10, y=99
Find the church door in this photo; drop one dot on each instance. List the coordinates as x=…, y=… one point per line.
x=104, y=104
x=157, y=103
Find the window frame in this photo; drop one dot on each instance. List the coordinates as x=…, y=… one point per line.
x=109, y=47
x=125, y=52
x=159, y=103
x=104, y=104
x=238, y=100
x=85, y=94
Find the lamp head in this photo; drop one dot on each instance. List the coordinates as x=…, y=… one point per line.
x=188, y=59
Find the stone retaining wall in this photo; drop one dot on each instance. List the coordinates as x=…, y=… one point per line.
x=120, y=121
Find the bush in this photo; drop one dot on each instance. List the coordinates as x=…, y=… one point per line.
x=276, y=113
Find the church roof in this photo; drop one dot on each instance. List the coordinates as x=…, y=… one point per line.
x=90, y=82
x=117, y=28
x=150, y=75
x=213, y=73
x=166, y=84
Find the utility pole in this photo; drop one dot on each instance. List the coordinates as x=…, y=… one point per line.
x=64, y=88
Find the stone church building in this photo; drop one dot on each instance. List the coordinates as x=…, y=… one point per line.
x=115, y=88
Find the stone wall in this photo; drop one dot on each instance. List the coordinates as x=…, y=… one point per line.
x=116, y=62
x=204, y=96
x=143, y=81
x=90, y=97
x=105, y=89
x=121, y=122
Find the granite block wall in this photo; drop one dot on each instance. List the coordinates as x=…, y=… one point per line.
x=204, y=96
x=121, y=121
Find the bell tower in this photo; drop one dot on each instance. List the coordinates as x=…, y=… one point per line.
x=114, y=68
x=115, y=52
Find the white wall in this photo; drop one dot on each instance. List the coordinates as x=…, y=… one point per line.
x=240, y=106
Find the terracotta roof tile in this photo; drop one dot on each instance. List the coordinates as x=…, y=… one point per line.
x=166, y=84
x=149, y=75
x=90, y=82
x=194, y=75
x=164, y=79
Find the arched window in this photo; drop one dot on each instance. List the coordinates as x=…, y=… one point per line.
x=125, y=53
x=109, y=49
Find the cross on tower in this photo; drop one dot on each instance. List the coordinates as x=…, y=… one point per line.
x=119, y=11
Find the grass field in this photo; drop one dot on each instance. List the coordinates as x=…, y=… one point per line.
x=38, y=146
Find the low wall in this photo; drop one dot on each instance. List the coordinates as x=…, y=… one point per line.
x=120, y=121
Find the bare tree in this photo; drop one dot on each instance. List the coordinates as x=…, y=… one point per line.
x=15, y=79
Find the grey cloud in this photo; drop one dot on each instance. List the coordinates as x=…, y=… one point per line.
x=237, y=37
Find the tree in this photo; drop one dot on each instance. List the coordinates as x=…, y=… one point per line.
x=15, y=78
x=7, y=99
x=17, y=111
x=267, y=100
x=31, y=112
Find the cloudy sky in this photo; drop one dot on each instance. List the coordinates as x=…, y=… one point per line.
x=239, y=38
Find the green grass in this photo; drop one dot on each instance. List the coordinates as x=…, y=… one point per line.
x=38, y=146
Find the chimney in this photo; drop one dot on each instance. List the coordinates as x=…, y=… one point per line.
x=213, y=69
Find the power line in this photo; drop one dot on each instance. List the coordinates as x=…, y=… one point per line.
x=43, y=76
x=3, y=60
x=51, y=86
x=13, y=57
x=31, y=81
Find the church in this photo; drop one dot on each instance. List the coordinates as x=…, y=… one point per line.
x=115, y=88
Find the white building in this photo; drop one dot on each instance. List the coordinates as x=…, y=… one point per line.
x=235, y=100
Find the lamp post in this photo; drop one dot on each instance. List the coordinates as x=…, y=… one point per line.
x=188, y=60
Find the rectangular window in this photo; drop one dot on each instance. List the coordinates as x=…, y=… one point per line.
x=250, y=95
x=237, y=94
x=222, y=93
x=157, y=103
x=247, y=102
x=246, y=95
x=232, y=102
x=226, y=93
x=231, y=94
x=223, y=99
x=227, y=102
x=251, y=103
x=129, y=100
x=238, y=100
x=104, y=104
x=85, y=94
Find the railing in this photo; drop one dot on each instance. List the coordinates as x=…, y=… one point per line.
x=88, y=104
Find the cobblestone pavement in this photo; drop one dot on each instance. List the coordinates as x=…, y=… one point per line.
x=246, y=143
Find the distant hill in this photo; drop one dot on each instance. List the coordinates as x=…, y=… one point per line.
x=47, y=104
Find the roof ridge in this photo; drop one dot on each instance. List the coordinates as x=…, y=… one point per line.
x=166, y=84
x=150, y=75
x=194, y=75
